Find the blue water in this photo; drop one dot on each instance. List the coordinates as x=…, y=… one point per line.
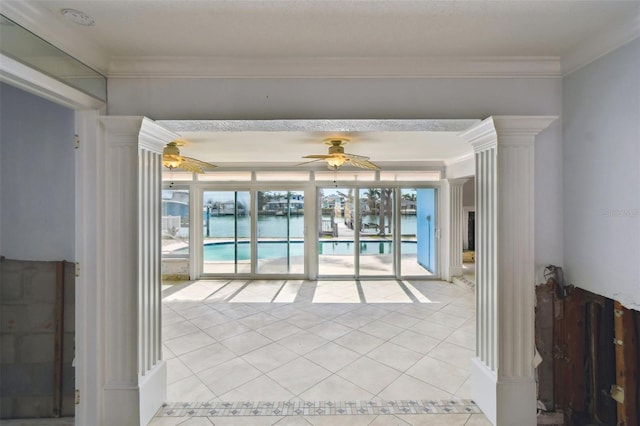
x=276, y=226
x=226, y=251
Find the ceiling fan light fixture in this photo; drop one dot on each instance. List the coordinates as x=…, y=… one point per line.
x=334, y=162
x=171, y=156
x=171, y=161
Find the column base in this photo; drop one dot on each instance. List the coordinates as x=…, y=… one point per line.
x=504, y=402
x=455, y=271
x=121, y=405
x=134, y=404
x=153, y=391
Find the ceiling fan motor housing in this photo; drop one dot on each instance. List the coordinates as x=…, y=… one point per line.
x=336, y=149
x=171, y=149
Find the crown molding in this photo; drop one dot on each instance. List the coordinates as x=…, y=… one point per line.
x=481, y=136
x=602, y=43
x=153, y=136
x=335, y=67
x=40, y=22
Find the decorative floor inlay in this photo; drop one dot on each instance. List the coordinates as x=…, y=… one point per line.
x=317, y=408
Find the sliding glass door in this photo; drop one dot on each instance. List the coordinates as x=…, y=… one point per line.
x=363, y=232
x=226, y=216
x=376, y=232
x=337, y=226
x=280, y=232
x=377, y=229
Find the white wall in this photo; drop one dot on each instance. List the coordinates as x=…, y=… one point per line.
x=601, y=106
x=37, y=177
x=428, y=98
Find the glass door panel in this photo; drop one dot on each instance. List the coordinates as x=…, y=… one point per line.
x=227, y=232
x=336, y=218
x=175, y=223
x=280, y=232
x=410, y=264
x=425, y=233
x=376, y=232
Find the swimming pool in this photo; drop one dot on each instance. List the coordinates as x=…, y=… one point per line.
x=225, y=251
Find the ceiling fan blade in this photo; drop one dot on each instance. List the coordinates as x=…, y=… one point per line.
x=307, y=162
x=356, y=157
x=319, y=156
x=363, y=164
x=195, y=166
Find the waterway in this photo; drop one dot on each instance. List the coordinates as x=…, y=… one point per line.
x=276, y=226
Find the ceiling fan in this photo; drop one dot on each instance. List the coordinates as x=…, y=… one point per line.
x=172, y=159
x=337, y=157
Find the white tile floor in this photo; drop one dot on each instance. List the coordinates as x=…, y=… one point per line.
x=305, y=342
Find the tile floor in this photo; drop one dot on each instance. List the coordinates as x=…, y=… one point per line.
x=301, y=342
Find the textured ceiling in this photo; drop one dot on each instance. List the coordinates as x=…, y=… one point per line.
x=285, y=142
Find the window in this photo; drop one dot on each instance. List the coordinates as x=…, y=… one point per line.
x=175, y=223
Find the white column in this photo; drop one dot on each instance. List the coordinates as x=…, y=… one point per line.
x=456, y=219
x=134, y=374
x=503, y=383
x=152, y=371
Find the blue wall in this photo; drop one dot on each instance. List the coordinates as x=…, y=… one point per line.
x=426, y=220
x=37, y=183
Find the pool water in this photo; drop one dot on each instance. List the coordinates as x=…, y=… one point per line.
x=226, y=251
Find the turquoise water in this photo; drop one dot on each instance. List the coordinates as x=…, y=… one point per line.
x=221, y=252
x=276, y=226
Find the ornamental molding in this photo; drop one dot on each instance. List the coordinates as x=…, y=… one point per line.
x=482, y=136
x=503, y=130
x=154, y=137
x=137, y=131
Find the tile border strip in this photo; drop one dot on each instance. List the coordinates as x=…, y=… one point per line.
x=317, y=408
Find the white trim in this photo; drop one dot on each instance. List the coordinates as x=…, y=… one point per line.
x=39, y=21
x=90, y=252
x=602, y=43
x=335, y=67
x=154, y=137
x=481, y=136
x=30, y=80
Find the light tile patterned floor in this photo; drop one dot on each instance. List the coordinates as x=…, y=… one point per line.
x=326, y=344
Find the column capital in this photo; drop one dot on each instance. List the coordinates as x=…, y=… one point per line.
x=137, y=129
x=457, y=181
x=521, y=125
x=154, y=137
x=505, y=129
